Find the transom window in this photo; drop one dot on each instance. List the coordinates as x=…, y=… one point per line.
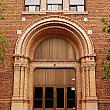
x=77, y=5
x=54, y=5
x=32, y=5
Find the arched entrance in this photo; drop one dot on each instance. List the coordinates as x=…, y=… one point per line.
x=54, y=56
x=54, y=87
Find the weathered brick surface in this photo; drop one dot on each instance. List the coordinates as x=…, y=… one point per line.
x=5, y=105
x=105, y=106
x=96, y=9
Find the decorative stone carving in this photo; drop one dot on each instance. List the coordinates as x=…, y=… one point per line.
x=24, y=69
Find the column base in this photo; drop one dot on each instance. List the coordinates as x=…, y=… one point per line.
x=20, y=104
x=89, y=104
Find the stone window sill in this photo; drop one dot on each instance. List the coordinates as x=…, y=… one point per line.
x=45, y=12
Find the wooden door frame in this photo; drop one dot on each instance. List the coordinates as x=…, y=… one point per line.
x=55, y=65
x=54, y=86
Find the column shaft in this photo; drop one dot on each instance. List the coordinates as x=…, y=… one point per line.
x=22, y=80
x=87, y=82
x=16, y=88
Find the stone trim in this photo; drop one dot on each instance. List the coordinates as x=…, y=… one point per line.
x=103, y=100
x=89, y=48
x=45, y=12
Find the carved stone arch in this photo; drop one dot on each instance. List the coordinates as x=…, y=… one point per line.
x=23, y=41
x=24, y=65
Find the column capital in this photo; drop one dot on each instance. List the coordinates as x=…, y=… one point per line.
x=88, y=61
x=17, y=65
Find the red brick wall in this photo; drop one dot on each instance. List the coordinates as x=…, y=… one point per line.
x=104, y=106
x=96, y=9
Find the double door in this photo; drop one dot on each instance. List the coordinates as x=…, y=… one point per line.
x=54, y=89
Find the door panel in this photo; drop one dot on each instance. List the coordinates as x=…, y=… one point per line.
x=39, y=77
x=54, y=77
x=55, y=48
x=50, y=77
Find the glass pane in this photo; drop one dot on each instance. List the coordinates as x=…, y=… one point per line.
x=54, y=1
x=70, y=93
x=49, y=7
x=76, y=2
x=81, y=8
x=32, y=8
x=60, y=97
x=37, y=8
x=38, y=97
x=54, y=7
x=73, y=8
x=49, y=104
x=32, y=2
x=70, y=98
x=70, y=103
x=49, y=92
x=38, y=104
x=38, y=92
x=49, y=97
x=60, y=7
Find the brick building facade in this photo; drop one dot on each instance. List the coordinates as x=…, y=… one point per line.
x=28, y=26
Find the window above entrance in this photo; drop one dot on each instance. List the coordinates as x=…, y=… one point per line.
x=77, y=5
x=32, y=5
x=54, y=5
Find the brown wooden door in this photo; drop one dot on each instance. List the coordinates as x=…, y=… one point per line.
x=54, y=78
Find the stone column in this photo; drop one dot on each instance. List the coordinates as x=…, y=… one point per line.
x=16, y=89
x=83, y=78
x=22, y=77
x=26, y=83
x=65, y=5
x=89, y=99
x=92, y=101
x=20, y=100
x=92, y=80
x=78, y=85
x=87, y=83
x=83, y=84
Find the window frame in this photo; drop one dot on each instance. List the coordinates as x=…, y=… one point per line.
x=49, y=99
x=39, y=99
x=64, y=101
x=54, y=4
x=54, y=97
x=76, y=6
x=67, y=99
x=36, y=6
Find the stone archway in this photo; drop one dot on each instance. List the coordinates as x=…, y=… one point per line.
x=24, y=65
